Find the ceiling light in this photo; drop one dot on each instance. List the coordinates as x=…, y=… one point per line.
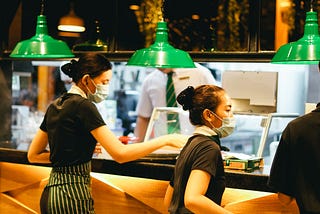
x=161, y=54
x=41, y=45
x=71, y=24
x=134, y=7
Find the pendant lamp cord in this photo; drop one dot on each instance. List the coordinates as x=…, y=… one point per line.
x=311, y=5
x=162, y=10
x=42, y=7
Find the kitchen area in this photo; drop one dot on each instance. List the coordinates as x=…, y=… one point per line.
x=265, y=96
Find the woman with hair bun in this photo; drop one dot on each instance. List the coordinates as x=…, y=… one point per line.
x=72, y=126
x=198, y=182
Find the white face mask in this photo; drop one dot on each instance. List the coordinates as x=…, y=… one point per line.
x=102, y=92
x=227, y=127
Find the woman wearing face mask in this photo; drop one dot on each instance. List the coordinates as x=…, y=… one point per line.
x=198, y=182
x=72, y=126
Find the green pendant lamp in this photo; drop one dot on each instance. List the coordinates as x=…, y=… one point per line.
x=96, y=43
x=161, y=54
x=41, y=45
x=304, y=51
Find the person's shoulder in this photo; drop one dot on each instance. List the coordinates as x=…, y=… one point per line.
x=153, y=72
x=76, y=99
x=202, y=73
x=72, y=101
x=73, y=97
x=204, y=140
x=203, y=69
x=154, y=75
x=304, y=119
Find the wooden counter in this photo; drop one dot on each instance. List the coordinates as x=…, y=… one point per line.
x=153, y=168
x=135, y=187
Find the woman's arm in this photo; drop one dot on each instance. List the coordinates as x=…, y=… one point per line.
x=37, y=152
x=124, y=153
x=195, y=199
x=168, y=196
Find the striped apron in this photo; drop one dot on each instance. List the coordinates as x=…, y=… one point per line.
x=68, y=191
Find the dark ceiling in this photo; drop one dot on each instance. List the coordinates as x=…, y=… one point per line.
x=120, y=28
x=118, y=22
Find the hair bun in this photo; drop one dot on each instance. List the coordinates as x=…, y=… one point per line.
x=69, y=68
x=185, y=98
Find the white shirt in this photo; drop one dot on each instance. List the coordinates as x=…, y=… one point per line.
x=153, y=91
x=153, y=94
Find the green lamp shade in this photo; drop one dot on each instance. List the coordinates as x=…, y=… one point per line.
x=304, y=51
x=96, y=43
x=41, y=45
x=91, y=46
x=161, y=54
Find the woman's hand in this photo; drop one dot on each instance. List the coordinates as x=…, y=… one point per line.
x=97, y=149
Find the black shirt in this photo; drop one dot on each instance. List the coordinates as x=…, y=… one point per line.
x=295, y=169
x=68, y=122
x=203, y=153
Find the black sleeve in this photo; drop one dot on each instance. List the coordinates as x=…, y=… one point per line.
x=207, y=158
x=279, y=178
x=43, y=125
x=90, y=115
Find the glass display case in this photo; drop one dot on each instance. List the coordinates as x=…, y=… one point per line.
x=159, y=124
x=256, y=135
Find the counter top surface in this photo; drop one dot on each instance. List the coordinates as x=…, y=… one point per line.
x=155, y=168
